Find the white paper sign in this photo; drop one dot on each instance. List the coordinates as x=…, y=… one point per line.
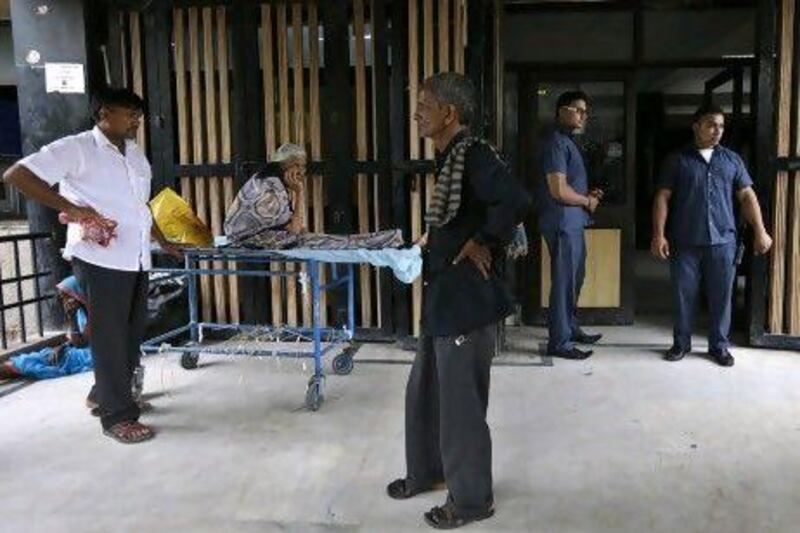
x=64, y=78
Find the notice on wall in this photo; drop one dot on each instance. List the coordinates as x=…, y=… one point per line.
x=64, y=78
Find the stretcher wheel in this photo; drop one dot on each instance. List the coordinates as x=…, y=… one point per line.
x=314, y=397
x=189, y=360
x=343, y=363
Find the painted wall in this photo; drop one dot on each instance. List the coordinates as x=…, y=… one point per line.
x=8, y=75
x=558, y=37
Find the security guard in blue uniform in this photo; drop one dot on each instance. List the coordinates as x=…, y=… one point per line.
x=696, y=191
x=565, y=205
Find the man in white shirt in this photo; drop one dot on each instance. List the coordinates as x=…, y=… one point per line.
x=103, y=173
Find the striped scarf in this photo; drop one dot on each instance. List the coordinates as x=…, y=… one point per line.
x=446, y=197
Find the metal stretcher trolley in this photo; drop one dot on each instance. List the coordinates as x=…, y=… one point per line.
x=315, y=341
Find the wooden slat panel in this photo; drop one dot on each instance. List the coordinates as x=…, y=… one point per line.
x=268, y=73
x=444, y=35
x=137, y=70
x=200, y=196
x=268, y=45
x=225, y=141
x=601, y=287
x=429, y=49
x=793, y=281
x=780, y=194
x=377, y=191
x=362, y=152
x=793, y=253
x=377, y=184
x=285, y=121
x=181, y=98
x=283, y=76
x=415, y=203
x=459, y=37
x=123, y=46
x=428, y=54
x=317, y=192
x=300, y=129
x=297, y=71
x=214, y=192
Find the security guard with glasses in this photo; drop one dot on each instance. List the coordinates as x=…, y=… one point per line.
x=565, y=207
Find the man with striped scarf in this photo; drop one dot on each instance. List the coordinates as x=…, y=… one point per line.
x=475, y=207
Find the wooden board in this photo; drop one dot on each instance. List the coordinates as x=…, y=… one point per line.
x=780, y=193
x=299, y=115
x=601, y=287
x=214, y=185
x=460, y=37
x=793, y=252
x=362, y=184
x=178, y=20
x=276, y=298
x=429, y=50
x=225, y=142
x=123, y=46
x=137, y=71
x=285, y=119
x=268, y=73
x=415, y=203
x=200, y=190
x=315, y=130
x=444, y=35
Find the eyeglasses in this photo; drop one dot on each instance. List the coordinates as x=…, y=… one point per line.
x=579, y=110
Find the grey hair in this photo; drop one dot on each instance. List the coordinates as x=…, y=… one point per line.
x=287, y=152
x=450, y=88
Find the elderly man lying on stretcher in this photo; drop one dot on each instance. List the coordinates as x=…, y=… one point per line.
x=269, y=212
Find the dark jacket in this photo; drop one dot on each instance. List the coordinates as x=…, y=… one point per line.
x=456, y=298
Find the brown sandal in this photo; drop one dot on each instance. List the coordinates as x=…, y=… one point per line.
x=446, y=517
x=405, y=488
x=129, y=432
x=95, y=410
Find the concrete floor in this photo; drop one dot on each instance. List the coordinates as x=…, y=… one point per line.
x=621, y=442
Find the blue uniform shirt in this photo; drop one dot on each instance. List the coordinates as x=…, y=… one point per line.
x=558, y=153
x=701, y=207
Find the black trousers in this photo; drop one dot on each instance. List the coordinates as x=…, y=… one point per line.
x=447, y=437
x=117, y=306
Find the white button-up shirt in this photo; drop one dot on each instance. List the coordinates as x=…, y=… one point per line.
x=92, y=172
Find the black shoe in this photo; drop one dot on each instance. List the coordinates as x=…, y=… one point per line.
x=723, y=358
x=405, y=488
x=675, y=353
x=585, y=338
x=574, y=353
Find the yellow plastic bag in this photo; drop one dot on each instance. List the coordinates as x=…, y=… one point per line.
x=177, y=221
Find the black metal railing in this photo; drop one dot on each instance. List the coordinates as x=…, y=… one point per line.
x=19, y=303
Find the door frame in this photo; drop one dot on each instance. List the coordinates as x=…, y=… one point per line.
x=768, y=165
x=622, y=217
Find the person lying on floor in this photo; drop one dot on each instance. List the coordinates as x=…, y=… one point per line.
x=269, y=212
x=71, y=357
